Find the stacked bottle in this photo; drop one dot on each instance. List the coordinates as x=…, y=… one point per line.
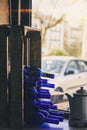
x=37, y=110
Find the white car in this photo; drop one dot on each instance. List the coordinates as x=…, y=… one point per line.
x=70, y=74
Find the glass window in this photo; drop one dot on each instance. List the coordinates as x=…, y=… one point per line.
x=82, y=66
x=52, y=66
x=65, y=36
x=72, y=68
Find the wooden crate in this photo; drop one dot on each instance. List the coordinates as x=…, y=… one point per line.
x=20, y=45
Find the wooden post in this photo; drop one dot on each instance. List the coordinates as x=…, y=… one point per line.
x=4, y=32
x=34, y=48
x=26, y=13
x=17, y=82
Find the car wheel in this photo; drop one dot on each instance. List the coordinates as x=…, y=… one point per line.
x=56, y=98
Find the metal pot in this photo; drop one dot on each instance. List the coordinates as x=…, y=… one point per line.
x=78, y=108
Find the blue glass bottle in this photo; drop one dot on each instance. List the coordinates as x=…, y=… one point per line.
x=48, y=75
x=47, y=102
x=39, y=118
x=26, y=79
x=43, y=90
x=41, y=94
x=37, y=109
x=47, y=114
x=56, y=112
x=32, y=71
x=54, y=107
x=49, y=85
x=43, y=80
x=40, y=105
x=44, y=95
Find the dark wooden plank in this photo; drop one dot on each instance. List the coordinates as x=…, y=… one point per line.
x=3, y=77
x=13, y=5
x=26, y=13
x=16, y=89
x=34, y=48
x=26, y=51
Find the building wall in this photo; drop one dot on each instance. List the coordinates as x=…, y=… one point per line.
x=55, y=37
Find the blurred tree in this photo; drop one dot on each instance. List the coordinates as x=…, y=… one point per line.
x=47, y=22
x=74, y=49
x=58, y=52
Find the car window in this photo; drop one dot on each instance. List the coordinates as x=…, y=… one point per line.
x=82, y=66
x=72, y=68
x=52, y=66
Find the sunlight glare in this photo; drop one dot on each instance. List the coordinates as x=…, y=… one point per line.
x=76, y=12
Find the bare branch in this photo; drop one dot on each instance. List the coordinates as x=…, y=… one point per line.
x=50, y=23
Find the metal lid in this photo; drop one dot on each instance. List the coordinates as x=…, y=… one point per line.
x=81, y=91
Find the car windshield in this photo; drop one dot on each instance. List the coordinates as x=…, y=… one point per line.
x=52, y=65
